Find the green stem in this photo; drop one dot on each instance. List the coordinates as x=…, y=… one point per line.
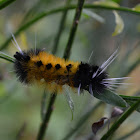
x=5, y=3
x=116, y=125
x=60, y=9
x=45, y=122
x=60, y=29
x=130, y=98
x=74, y=28
x=123, y=9
x=7, y=57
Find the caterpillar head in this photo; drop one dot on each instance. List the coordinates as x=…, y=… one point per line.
x=21, y=60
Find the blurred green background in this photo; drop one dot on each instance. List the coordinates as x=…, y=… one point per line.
x=20, y=105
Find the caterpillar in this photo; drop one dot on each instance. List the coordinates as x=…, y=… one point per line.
x=41, y=67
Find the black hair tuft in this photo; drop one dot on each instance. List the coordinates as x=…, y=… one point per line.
x=20, y=64
x=84, y=78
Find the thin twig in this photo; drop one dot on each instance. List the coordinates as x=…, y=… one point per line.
x=74, y=28
x=45, y=122
x=60, y=29
x=6, y=57
x=124, y=116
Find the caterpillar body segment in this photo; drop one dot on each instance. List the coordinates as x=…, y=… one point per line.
x=44, y=68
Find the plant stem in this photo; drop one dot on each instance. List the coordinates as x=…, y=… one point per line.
x=116, y=125
x=60, y=9
x=7, y=57
x=5, y=3
x=130, y=98
x=45, y=122
x=74, y=28
x=60, y=29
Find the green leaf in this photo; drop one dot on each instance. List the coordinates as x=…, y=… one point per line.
x=43, y=105
x=88, y=13
x=82, y=120
x=69, y=99
x=111, y=98
x=137, y=7
x=124, y=116
x=119, y=24
x=106, y=3
x=5, y=3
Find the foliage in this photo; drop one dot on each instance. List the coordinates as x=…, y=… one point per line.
x=101, y=24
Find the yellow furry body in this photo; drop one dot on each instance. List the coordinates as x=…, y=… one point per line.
x=51, y=77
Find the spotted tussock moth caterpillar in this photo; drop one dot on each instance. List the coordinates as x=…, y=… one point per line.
x=41, y=67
